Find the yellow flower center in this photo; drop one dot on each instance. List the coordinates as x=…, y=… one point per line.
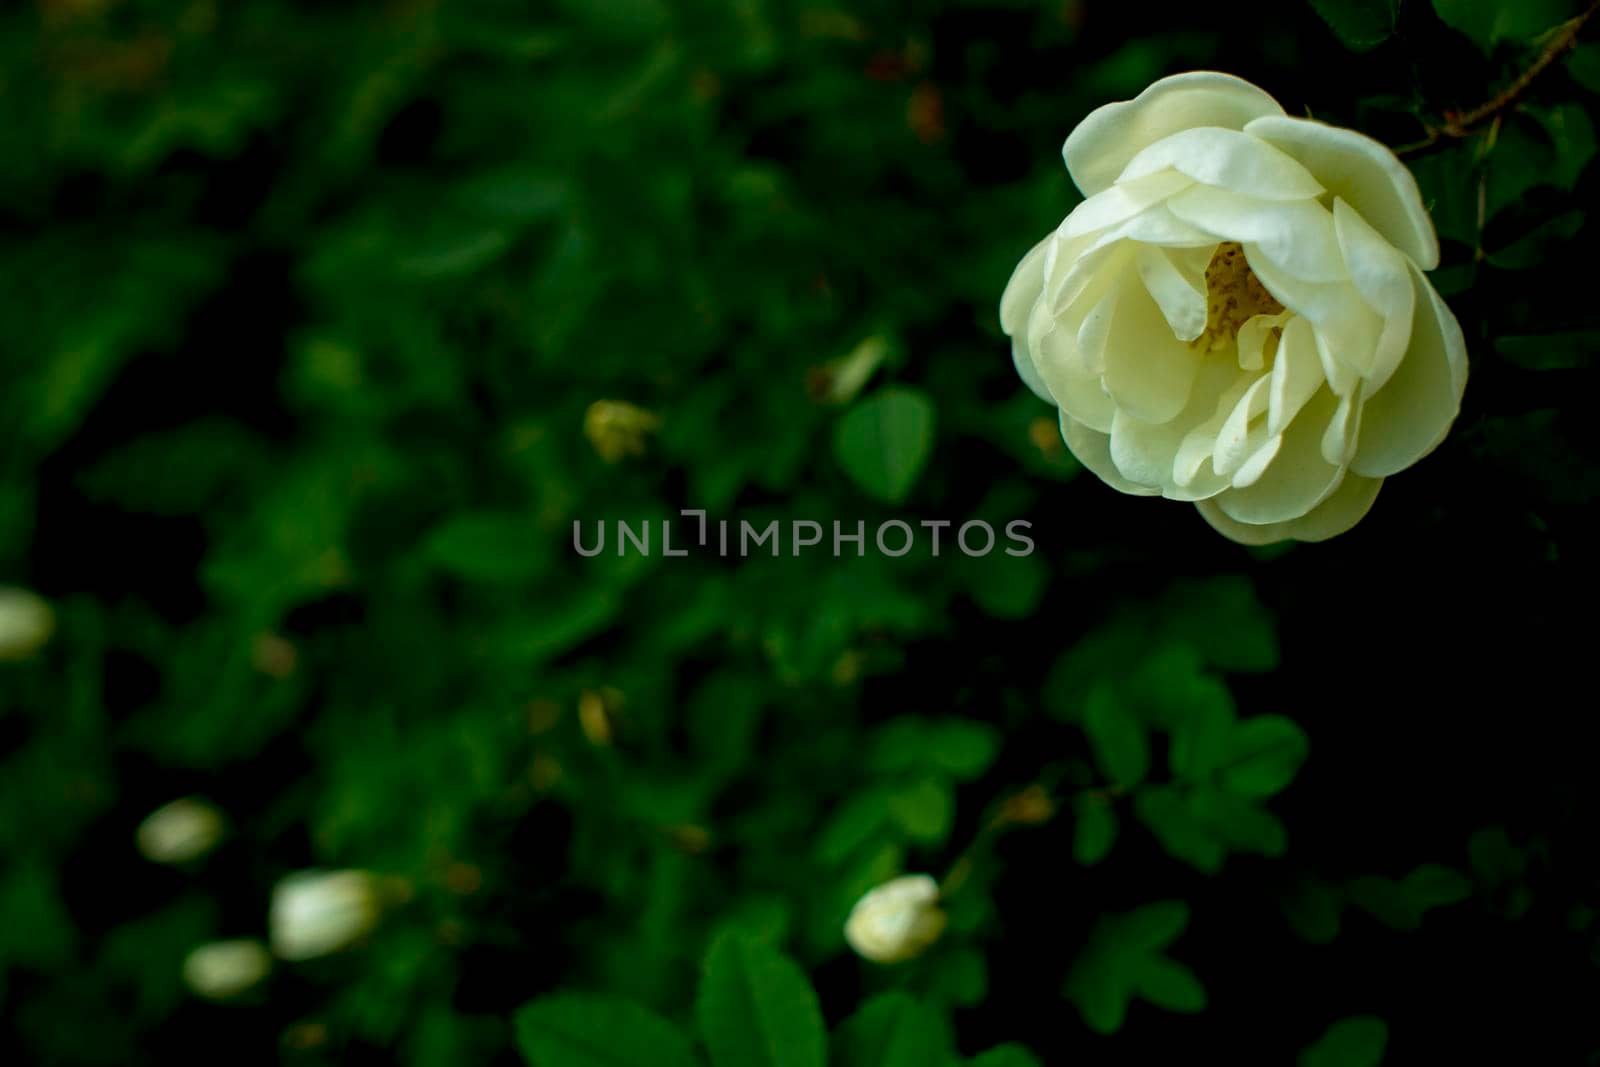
x=1234, y=295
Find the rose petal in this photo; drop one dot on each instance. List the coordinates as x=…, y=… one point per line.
x=1363, y=173
x=1026, y=370
x=1296, y=374
x=1093, y=450
x=1194, y=453
x=1123, y=201
x=1296, y=235
x=1177, y=287
x=1344, y=507
x=1148, y=371
x=1256, y=338
x=1408, y=417
x=1146, y=453
x=1102, y=144
x=1079, y=394
x=1026, y=283
x=1379, y=273
x=1347, y=329
x=1243, y=432
x=1295, y=479
x=1227, y=158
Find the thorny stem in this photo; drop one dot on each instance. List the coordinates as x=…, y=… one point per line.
x=1458, y=125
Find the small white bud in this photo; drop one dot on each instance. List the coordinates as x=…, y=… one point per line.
x=181, y=831
x=897, y=920
x=223, y=969
x=318, y=912
x=26, y=623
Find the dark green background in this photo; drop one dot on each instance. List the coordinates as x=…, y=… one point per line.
x=302, y=305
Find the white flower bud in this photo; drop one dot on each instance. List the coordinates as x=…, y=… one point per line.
x=315, y=913
x=897, y=920
x=223, y=969
x=26, y=623
x=181, y=831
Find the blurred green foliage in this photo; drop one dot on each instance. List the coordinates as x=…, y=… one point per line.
x=309, y=307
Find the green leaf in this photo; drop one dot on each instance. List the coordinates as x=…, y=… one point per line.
x=1166, y=812
x=1358, y=1041
x=515, y=194
x=1583, y=63
x=924, y=809
x=1005, y=586
x=1200, y=741
x=1313, y=908
x=577, y=1030
x=1222, y=619
x=855, y=822
x=894, y=1030
x=962, y=748
x=1495, y=860
x=958, y=976
x=1118, y=738
x=1433, y=885
x=1551, y=351
x=756, y=1008
x=1571, y=133
x=1004, y=1056
x=1401, y=905
x=1123, y=958
x=1095, y=830
x=1169, y=984
x=1264, y=754
x=1239, y=822
x=1153, y=926
x=1450, y=192
x=487, y=547
x=1535, y=247
x=884, y=441
x=1489, y=22
x=1361, y=24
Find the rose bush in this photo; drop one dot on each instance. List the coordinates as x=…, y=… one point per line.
x=1237, y=314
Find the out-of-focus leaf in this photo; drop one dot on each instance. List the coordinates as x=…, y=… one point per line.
x=1124, y=958
x=1533, y=247
x=756, y=1009
x=1361, y=24
x=588, y=1030
x=1120, y=747
x=1550, y=351
x=894, y=1030
x=1358, y=1041
x=924, y=809
x=1264, y=753
x=488, y=547
x=1004, y=1056
x=1489, y=22
x=1095, y=830
x=884, y=441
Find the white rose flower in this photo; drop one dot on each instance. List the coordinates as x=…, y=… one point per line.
x=183, y=830
x=897, y=920
x=223, y=969
x=315, y=913
x=1237, y=314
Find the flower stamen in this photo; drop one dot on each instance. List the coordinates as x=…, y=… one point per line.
x=1234, y=295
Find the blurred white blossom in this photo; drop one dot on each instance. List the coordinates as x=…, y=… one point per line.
x=222, y=969
x=897, y=920
x=315, y=913
x=183, y=830
x=26, y=623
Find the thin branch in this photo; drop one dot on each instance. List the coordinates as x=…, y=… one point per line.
x=1458, y=125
